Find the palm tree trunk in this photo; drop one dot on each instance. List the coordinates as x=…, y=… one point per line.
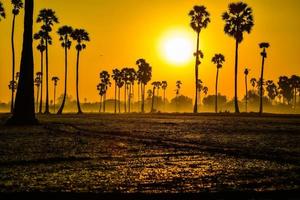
x=153, y=96
x=13, y=64
x=129, y=99
x=54, y=98
x=196, y=75
x=104, y=103
x=236, y=105
x=246, y=83
x=165, y=100
x=125, y=101
x=42, y=75
x=66, y=78
x=216, y=96
x=77, y=83
x=119, y=98
x=24, y=112
x=143, y=97
x=100, y=104
x=115, y=97
x=139, y=92
x=261, y=86
x=47, y=81
x=37, y=98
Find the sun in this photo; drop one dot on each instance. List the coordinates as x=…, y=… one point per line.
x=177, y=47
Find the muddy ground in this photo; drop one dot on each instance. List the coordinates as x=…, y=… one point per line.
x=151, y=154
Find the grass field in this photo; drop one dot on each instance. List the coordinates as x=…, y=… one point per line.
x=151, y=154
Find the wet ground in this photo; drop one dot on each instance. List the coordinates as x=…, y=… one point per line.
x=151, y=154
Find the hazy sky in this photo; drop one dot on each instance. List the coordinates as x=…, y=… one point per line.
x=123, y=31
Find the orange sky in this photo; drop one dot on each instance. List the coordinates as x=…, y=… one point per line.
x=123, y=31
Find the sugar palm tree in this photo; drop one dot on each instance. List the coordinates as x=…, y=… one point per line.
x=218, y=60
x=65, y=33
x=24, y=112
x=2, y=11
x=37, y=83
x=154, y=85
x=55, y=80
x=295, y=82
x=80, y=36
x=178, y=87
x=200, y=19
x=120, y=83
x=102, y=90
x=246, y=73
x=41, y=47
x=105, y=81
x=200, y=88
x=117, y=78
x=144, y=75
x=47, y=17
x=238, y=19
x=164, y=85
x=12, y=85
x=131, y=79
x=17, y=5
x=253, y=82
x=263, y=46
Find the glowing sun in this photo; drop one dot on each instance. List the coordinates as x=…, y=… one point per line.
x=177, y=48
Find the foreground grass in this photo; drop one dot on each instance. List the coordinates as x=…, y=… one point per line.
x=151, y=154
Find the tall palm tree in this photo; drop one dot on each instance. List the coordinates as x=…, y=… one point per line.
x=2, y=11
x=37, y=82
x=144, y=75
x=218, y=60
x=246, y=72
x=24, y=112
x=164, y=85
x=80, y=36
x=117, y=78
x=47, y=17
x=200, y=19
x=263, y=46
x=238, y=19
x=105, y=81
x=65, y=33
x=55, y=80
x=131, y=78
x=17, y=5
x=120, y=83
x=41, y=47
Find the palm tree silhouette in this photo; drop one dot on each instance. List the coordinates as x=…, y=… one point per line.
x=55, y=80
x=218, y=60
x=271, y=89
x=200, y=88
x=41, y=47
x=117, y=78
x=2, y=11
x=37, y=82
x=253, y=82
x=164, y=85
x=246, y=72
x=263, y=46
x=144, y=75
x=12, y=85
x=154, y=84
x=25, y=115
x=102, y=90
x=105, y=81
x=80, y=36
x=200, y=19
x=132, y=78
x=48, y=18
x=17, y=5
x=238, y=19
x=178, y=87
x=65, y=33
x=295, y=82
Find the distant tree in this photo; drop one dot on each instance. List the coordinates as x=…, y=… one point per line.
x=295, y=82
x=37, y=83
x=64, y=33
x=271, y=89
x=182, y=103
x=209, y=101
x=12, y=85
x=199, y=88
x=253, y=82
x=263, y=46
x=178, y=87
x=164, y=85
x=41, y=47
x=2, y=11
x=156, y=85
x=218, y=60
x=144, y=75
x=24, y=112
x=48, y=18
x=80, y=36
x=285, y=88
x=105, y=84
x=246, y=73
x=238, y=19
x=102, y=88
x=17, y=5
x=55, y=80
x=200, y=19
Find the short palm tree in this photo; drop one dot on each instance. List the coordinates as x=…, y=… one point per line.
x=37, y=83
x=164, y=85
x=102, y=90
x=218, y=60
x=80, y=36
x=17, y=5
x=154, y=85
x=238, y=19
x=178, y=87
x=200, y=19
x=263, y=46
x=41, y=47
x=246, y=73
x=65, y=33
x=200, y=88
x=55, y=80
x=253, y=82
x=47, y=17
x=2, y=11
